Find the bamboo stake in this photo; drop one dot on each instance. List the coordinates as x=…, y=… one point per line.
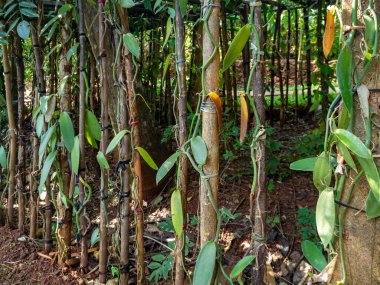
x=182, y=134
x=21, y=133
x=258, y=197
x=12, y=136
x=82, y=114
x=210, y=131
x=103, y=252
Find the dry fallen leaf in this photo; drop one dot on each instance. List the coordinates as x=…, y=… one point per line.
x=243, y=117
x=328, y=37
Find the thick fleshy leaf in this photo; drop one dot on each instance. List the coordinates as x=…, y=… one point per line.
x=329, y=35
x=44, y=142
x=353, y=143
x=370, y=32
x=204, y=267
x=92, y=126
x=23, y=29
x=127, y=3
x=50, y=108
x=325, y=215
x=39, y=125
x=67, y=130
x=94, y=237
x=372, y=175
x=131, y=44
x=236, y=47
x=46, y=169
x=199, y=149
x=322, y=171
x=102, y=160
x=115, y=141
x=240, y=266
x=372, y=206
x=314, y=255
x=183, y=7
x=3, y=158
x=169, y=28
x=218, y=104
x=147, y=158
x=176, y=211
x=343, y=73
x=306, y=164
x=75, y=155
x=346, y=155
x=167, y=166
x=243, y=117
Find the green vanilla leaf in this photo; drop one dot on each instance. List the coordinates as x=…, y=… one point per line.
x=183, y=7
x=343, y=73
x=204, y=267
x=67, y=130
x=322, y=171
x=199, y=149
x=167, y=166
x=176, y=211
x=237, y=46
x=169, y=28
x=23, y=29
x=75, y=155
x=3, y=158
x=95, y=237
x=39, y=125
x=46, y=169
x=346, y=155
x=240, y=266
x=115, y=141
x=147, y=158
x=353, y=143
x=306, y=164
x=325, y=215
x=314, y=255
x=102, y=160
x=372, y=206
x=44, y=142
x=92, y=126
x=127, y=3
x=372, y=175
x=131, y=44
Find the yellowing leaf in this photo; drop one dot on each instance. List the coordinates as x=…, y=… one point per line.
x=243, y=117
x=328, y=37
x=218, y=104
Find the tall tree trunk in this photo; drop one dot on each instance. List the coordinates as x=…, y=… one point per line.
x=82, y=114
x=279, y=71
x=288, y=40
x=234, y=75
x=246, y=53
x=321, y=59
x=103, y=250
x=273, y=69
x=224, y=41
x=296, y=64
x=360, y=235
x=258, y=197
x=21, y=183
x=182, y=134
x=12, y=135
x=308, y=56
